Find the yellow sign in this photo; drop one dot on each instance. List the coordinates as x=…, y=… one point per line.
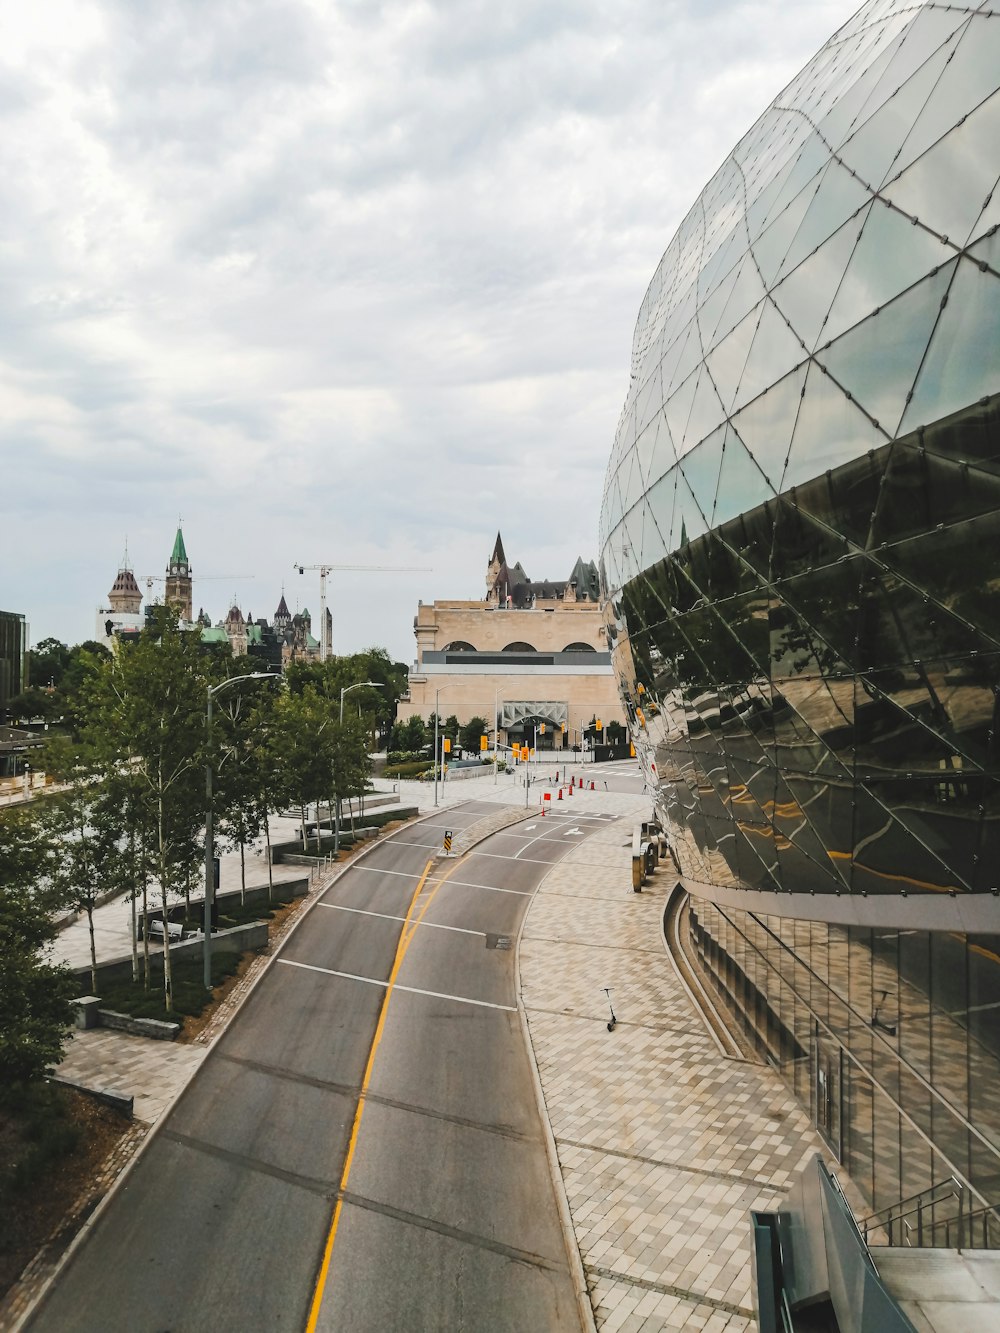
x=631, y=750
x=447, y=841
x=484, y=742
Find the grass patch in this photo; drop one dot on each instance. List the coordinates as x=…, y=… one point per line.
x=125, y=996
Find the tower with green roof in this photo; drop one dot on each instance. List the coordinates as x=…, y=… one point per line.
x=177, y=592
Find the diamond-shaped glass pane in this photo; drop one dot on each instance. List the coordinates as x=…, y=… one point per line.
x=961, y=363
x=877, y=361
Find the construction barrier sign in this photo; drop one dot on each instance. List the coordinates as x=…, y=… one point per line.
x=447, y=841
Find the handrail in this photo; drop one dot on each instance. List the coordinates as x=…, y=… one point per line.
x=885, y=1214
x=914, y=1205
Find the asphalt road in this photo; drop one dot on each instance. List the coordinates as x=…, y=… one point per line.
x=362, y=1150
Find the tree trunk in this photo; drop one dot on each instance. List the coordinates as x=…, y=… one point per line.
x=131, y=898
x=145, y=932
x=267, y=841
x=164, y=890
x=93, y=948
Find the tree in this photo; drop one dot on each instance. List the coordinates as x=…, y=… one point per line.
x=76, y=820
x=145, y=712
x=35, y=995
x=469, y=735
x=241, y=761
x=409, y=735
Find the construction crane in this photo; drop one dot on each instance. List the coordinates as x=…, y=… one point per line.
x=326, y=569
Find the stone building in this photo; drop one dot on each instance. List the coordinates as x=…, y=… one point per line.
x=535, y=651
x=177, y=592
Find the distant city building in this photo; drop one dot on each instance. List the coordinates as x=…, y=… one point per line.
x=799, y=545
x=122, y=612
x=13, y=658
x=537, y=650
x=178, y=589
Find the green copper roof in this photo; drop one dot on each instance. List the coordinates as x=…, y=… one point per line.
x=214, y=634
x=178, y=556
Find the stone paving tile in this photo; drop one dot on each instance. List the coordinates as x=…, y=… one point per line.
x=152, y=1072
x=664, y=1143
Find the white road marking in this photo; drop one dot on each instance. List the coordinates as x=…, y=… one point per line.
x=398, y=842
x=573, y=833
x=493, y=888
x=538, y=837
x=387, y=916
x=496, y=856
x=407, y=874
x=412, y=990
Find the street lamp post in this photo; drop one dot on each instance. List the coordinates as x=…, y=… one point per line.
x=211, y=692
x=345, y=689
x=437, y=696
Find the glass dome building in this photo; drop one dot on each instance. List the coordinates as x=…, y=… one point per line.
x=800, y=557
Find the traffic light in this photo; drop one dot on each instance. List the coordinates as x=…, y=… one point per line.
x=564, y=728
x=541, y=729
x=484, y=742
x=599, y=725
x=447, y=745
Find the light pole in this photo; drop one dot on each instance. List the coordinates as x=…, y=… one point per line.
x=437, y=695
x=211, y=692
x=345, y=689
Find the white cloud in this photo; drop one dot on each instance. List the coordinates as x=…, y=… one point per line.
x=351, y=282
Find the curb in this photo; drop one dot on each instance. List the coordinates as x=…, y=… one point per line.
x=585, y=1308
x=38, y=1301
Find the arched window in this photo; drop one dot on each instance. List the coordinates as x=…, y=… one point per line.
x=519, y=648
x=579, y=648
x=459, y=646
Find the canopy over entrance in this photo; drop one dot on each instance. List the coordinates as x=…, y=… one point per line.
x=515, y=714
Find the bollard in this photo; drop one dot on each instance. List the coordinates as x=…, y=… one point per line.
x=592, y=787
x=569, y=791
x=560, y=793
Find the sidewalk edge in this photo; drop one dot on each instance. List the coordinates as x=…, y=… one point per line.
x=584, y=1305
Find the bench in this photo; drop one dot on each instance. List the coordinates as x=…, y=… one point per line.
x=175, y=928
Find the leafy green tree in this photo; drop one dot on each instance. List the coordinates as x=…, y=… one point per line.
x=469, y=735
x=35, y=995
x=409, y=735
x=241, y=761
x=145, y=710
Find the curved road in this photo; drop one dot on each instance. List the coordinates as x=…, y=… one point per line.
x=362, y=1149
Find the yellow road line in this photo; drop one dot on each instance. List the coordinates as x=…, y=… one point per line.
x=405, y=936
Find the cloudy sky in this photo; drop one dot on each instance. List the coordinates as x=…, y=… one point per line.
x=350, y=281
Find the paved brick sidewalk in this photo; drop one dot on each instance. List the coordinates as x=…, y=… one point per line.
x=664, y=1143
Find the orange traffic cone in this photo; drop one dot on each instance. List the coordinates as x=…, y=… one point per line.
x=560, y=793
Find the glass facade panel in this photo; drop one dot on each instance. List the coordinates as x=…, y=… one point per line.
x=800, y=560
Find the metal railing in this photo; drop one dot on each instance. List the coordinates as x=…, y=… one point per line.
x=937, y=1217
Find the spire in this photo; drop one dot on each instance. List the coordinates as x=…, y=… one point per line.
x=178, y=556
x=498, y=555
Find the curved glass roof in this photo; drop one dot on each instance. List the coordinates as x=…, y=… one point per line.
x=836, y=284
